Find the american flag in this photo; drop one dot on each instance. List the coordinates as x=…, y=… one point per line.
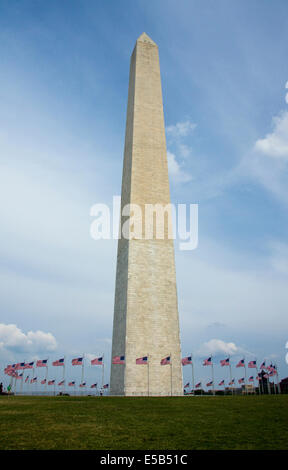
x=209, y=384
x=225, y=362
x=61, y=383
x=221, y=383
x=29, y=365
x=19, y=366
x=142, y=360
x=20, y=376
x=251, y=379
x=51, y=382
x=98, y=361
x=106, y=386
x=252, y=364
x=118, y=360
x=83, y=384
x=187, y=385
x=208, y=361
x=43, y=382
x=186, y=360
x=60, y=362
x=165, y=361
x=77, y=362
x=271, y=368
x=263, y=365
x=232, y=382
x=93, y=386
x=241, y=363
x=27, y=378
x=42, y=363
x=32, y=381
x=198, y=385
x=241, y=381
x=71, y=384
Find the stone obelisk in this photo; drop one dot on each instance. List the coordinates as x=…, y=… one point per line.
x=146, y=322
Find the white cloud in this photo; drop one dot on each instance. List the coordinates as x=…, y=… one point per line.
x=216, y=346
x=176, y=172
x=180, y=129
x=275, y=144
x=12, y=338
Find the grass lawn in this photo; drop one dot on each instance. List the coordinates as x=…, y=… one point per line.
x=244, y=422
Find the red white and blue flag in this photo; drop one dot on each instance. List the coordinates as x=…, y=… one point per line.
x=225, y=362
x=51, y=382
x=60, y=362
x=252, y=364
x=83, y=384
x=232, y=382
x=186, y=360
x=29, y=365
x=166, y=360
x=251, y=379
x=42, y=363
x=209, y=384
x=241, y=363
x=20, y=376
x=142, y=360
x=198, y=385
x=221, y=383
x=118, y=360
x=263, y=366
x=77, y=362
x=187, y=385
x=241, y=381
x=27, y=378
x=98, y=361
x=61, y=383
x=93, y=386
x=208, y=361
x=43, y=382
x=106, y=386
x=34, y=380
x=71, y=384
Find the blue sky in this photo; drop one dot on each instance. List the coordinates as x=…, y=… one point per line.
x=63, y=90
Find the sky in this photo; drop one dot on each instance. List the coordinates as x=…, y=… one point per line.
x=63, y=91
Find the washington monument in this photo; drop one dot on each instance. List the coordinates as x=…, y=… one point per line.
x=146, y=323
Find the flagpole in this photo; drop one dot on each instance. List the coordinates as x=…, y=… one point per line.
x=148, y=359
x=245, y=376
x=192, y=370
x=278, y=384
x=171, y=372
x=46, y=377
x=82, y=376
x=102, y=371
x=230, y=374
x=212, y=375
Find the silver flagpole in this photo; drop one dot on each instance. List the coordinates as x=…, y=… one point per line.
x=278, y=384
x=46, y=378
x=171, y=373
x=245, y=388
x=148, y=360
x=82, y=378
x=230, y=375
x=212, y=375
x=102, y=371
x=192, y=367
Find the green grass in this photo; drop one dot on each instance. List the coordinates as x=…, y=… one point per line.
x=244, y=422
